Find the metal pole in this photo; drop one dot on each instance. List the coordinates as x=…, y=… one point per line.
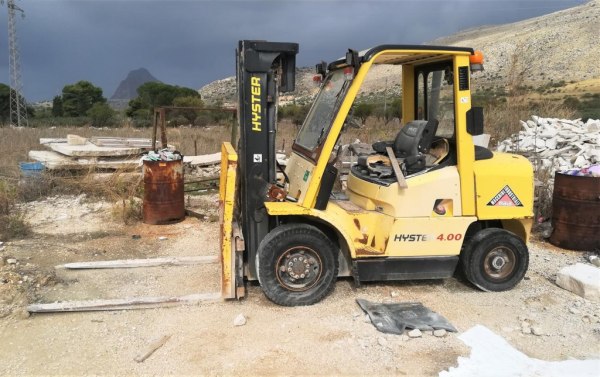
x=163, y=127
x=154, y=127
x=385, y=101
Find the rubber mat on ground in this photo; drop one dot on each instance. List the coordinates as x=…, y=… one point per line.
x=394, y=318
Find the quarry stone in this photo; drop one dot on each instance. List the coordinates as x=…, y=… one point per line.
x=416, y=333
x=240, y=320
x=581, y=279
x=557, y=144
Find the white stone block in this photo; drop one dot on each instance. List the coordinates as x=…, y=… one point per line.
x=581, y=279
x=540, y=143
x=580, y=162
x=551, y=143
x=492, y=355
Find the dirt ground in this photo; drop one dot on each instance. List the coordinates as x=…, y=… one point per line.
x=330, y=338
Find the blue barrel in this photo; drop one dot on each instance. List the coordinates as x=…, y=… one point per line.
x=31, y=169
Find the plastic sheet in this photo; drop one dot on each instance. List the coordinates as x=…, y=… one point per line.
x=592, y=171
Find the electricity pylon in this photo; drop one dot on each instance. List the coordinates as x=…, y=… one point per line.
x=18, y=106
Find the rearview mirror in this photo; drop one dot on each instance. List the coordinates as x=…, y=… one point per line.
x=321, y=68
x=352, y=58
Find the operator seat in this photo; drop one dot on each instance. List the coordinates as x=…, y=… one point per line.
x=411, y=146
x=412, y=143
x=415, y=138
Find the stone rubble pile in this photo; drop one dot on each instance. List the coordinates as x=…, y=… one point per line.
x=559, y=144
x=201, y=171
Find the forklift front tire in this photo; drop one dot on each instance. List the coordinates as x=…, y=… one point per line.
x=297, y=265
x=495, y=260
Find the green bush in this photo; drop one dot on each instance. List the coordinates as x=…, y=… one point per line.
x=188, y=114
x=77, y=99
x=363, y=110
x=102, y=115
x=295, y=113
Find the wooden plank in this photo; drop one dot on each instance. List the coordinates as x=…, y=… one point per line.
x=152, y=348
x=396, y=167
x=124, y=303
x=134, y=263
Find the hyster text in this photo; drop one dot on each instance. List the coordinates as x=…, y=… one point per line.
x=255, y=102
x=410, y=237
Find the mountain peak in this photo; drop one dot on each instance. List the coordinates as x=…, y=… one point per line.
x=127, y=89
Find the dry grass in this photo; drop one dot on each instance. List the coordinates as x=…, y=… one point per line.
x=121, y=188
x=543, y=191
x=503, y=120
x=12, y=219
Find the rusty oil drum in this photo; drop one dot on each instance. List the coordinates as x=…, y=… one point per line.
x=576, y=212
x=163, y=192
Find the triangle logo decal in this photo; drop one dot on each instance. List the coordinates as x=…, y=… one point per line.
x=505, y=198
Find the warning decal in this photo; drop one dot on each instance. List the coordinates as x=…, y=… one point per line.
x=505, y=198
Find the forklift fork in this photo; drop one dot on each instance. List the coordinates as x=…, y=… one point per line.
x=232, y=243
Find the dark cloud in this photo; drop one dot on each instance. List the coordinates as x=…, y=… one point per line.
x=192, y=43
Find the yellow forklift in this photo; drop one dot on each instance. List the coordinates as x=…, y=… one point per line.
x=420, y=206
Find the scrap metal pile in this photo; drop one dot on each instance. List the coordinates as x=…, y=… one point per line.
x=558, y=144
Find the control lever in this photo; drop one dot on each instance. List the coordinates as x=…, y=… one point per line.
x=397, y=171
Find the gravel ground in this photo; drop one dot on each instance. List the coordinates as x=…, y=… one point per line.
x=331, y=338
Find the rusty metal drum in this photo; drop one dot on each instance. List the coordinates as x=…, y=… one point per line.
x=576, y=212
x=163, y=192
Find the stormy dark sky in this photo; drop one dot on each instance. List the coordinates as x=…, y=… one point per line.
x=192, y=43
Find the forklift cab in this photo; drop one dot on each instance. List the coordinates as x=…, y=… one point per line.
x=435, y=103
x=428, y=142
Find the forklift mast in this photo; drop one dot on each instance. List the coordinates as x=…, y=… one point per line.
x=263, y=69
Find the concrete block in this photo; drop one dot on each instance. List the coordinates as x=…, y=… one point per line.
x=581, y=279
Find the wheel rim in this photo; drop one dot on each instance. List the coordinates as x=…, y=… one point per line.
x=298, y=268
x=499, y=263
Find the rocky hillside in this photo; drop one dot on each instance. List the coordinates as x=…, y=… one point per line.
x=560, y=46
x=225, y=89
x=127, y=89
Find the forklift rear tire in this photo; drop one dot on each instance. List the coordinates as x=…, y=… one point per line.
x=296, y=265
x=495, y=260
